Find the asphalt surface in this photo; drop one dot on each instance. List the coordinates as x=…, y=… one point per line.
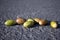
x=45, y=9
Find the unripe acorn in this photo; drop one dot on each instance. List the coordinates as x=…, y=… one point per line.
x=10, y=22
x=53, y=24
x=30, y=20
x=28, y=24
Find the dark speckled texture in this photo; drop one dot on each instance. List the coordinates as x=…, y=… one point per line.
x=45, y=9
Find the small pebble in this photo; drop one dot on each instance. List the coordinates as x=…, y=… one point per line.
x=10, y=22
x=53, y=24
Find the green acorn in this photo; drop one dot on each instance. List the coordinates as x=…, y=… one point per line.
x=10, y=22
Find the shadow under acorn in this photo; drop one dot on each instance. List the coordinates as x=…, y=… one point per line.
x=35, y=25
x=48, y=23
x=58, y=26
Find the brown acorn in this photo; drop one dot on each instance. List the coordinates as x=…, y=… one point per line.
x=37, y=19
x=20, y=20
x=42, y=22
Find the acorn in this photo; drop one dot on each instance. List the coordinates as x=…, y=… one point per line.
x=42, y=22
x=20, y=20
x=28, y=24
x=37, y=19
x=53, y=24
x=10, y=22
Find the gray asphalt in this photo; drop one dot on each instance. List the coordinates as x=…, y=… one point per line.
x=45, y=9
